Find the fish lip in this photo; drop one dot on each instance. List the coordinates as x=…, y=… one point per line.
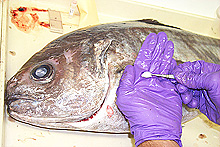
x=12, y=98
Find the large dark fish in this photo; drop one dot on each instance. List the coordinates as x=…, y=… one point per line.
x=72, y=82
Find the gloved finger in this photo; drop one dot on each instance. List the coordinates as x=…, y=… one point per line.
x=127, y=80
x=192, y=74
x=185, y=93
x=193, y=103
x=158, y=53
x=167, y=58
x=211, y=83
x=214, y=103
x=145, y=54
x=181, y=88
x=187, y=97
x=173, y=65
x=197, y=67
x=189, y=79
x=199, y=81
x=202, y=67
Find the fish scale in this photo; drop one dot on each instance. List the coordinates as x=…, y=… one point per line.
x=86, y=67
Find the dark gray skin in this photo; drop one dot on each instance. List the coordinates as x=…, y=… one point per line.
x=71, y=83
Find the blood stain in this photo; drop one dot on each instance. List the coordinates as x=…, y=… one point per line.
x=23, y=140
x=40, y=10
x=46, y=25
x=202, y=136
x=26, y=19
x=109, y=111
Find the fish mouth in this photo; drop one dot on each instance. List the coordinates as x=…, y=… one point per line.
x=19, y=108
x=13, y=98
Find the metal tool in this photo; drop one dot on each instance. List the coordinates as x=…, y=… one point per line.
x=148, y=74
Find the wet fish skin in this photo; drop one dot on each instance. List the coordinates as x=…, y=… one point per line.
x=85, y=67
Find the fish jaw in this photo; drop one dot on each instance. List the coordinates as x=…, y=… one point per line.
x=100, y=121
x=34, y=112
x=27, y=109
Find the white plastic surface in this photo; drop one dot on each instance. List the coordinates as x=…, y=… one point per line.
x=120, y=10
x=218, y=12
x=3, y=12
x=205, y=8
x=197, y=133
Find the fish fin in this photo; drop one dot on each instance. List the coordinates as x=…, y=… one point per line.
x=155, y=22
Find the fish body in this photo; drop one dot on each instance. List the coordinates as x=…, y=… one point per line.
x=71, y=83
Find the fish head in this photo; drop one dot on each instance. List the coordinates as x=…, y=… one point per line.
x=56, y=86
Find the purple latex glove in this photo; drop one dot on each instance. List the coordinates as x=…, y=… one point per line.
x=151, y=105
x=202, y=91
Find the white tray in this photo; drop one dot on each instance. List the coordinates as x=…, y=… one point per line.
x=15, y=134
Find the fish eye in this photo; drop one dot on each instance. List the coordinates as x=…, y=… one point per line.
x=42, y=73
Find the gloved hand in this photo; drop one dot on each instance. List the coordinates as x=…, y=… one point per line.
x=202, y=91
x=151, y=105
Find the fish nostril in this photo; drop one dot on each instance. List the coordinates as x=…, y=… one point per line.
x=11, y=85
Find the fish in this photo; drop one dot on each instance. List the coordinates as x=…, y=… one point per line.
x=71, y=83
